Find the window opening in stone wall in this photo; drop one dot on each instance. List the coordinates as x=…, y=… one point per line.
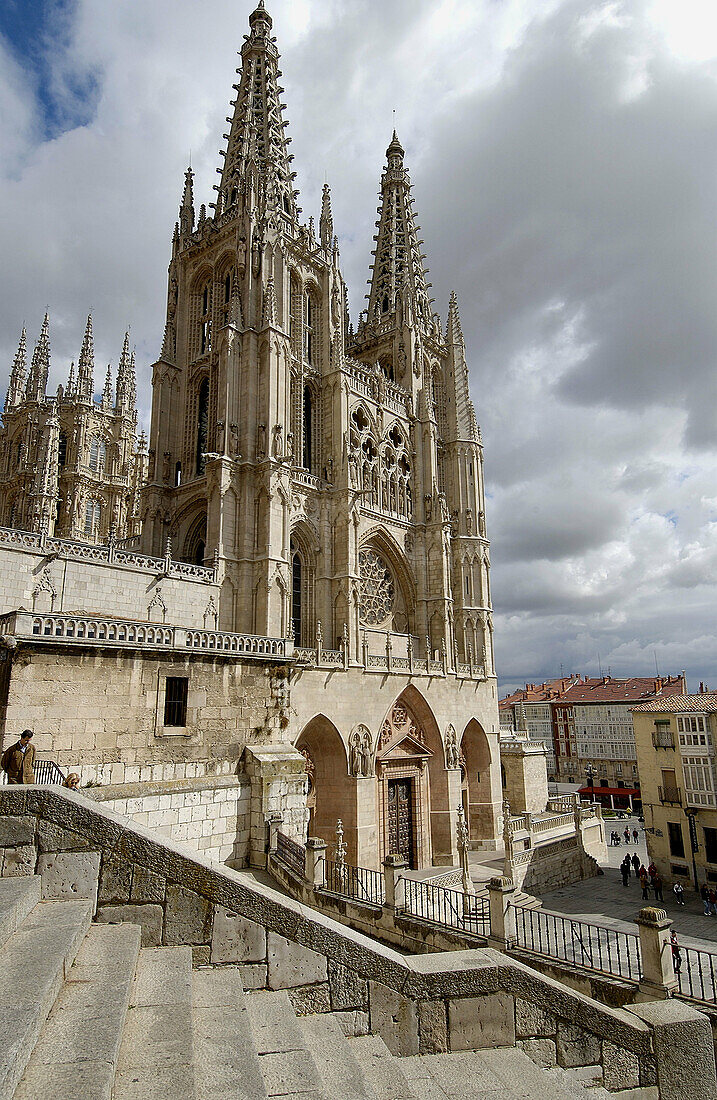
x=309, y=320
x=98, y=451
x=92, y=517
x=296, y=594
x=178, y=474
x=307, y=441
x=62, y=450
x=202, y=418
x=175, y=701
x=205, y=323
x=677, y=843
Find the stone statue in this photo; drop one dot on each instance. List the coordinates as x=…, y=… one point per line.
x=261, y=441
x=276, y=442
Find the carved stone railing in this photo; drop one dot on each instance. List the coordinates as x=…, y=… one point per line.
x=110, y=553
x=310, y=481
x=120, y=633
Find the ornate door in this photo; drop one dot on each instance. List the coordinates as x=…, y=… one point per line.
x=400, y=819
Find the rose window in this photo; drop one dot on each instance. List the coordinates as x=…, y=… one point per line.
x=377, y=589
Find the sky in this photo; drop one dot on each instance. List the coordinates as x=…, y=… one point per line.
x=564, y=159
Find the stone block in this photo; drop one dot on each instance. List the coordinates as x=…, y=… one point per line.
x=432, y=1027
x=69, y=875
x=18, y=862
x=253, y=975
x=348, y=990
x=621, y=1068
x=149, y=917
x=532, y=1021
x=291, y=965
x=15, y=831
x=576, y=1047
x=352, y=1023
x=115, y=880
x=200, y=956
x=475, y=1023
x=310, y=999
x=395, y=1018
x=53, y=838
x=236, y=939
x=540, y=1051
x=146, y=885
x=684, y=1050
x=188, y=917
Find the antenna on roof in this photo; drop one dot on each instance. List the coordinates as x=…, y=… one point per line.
x=657, y=671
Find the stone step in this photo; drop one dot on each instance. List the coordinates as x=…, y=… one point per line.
x=18, y=897
x=504, y=1073
x=286, y=1064
x=385, y=1074
x=76, y=1053
x=156, y=1059
x=340, y=1070
x=33, y=963
x=226, y=1060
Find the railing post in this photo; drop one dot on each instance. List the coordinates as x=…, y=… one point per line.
x=502, y=913
x=444, y=656
x=273, y=822
x=409, y=652
x=388, y=651
x=346, y=646
x=393, y=891
x=365, y=649
x=315, y=862
x=319, y=641
x=658, y=979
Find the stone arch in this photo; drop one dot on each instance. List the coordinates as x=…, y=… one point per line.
x=193, y=542
x=477, y=788
x=402, y=617
x=334, y=793
x=303, y=551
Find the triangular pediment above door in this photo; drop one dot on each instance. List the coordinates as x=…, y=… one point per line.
x=405, y=747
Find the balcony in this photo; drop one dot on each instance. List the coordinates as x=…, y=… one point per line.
x=663, y=739
x=670, y=794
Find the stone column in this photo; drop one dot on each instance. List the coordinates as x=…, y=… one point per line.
x=273, y=824
x=315, y=862
x=658, y=974
x=392, y=888
x=502, y=914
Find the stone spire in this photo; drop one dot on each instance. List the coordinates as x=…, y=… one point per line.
x=186, y=210
x=326, y=221
x=126, y=386
x=18, y=373
x=397, y=272
x=107, y=391
x=70, y=388
x=40, y=365
x=256, y=155
x=86, y=365
x=461, y=413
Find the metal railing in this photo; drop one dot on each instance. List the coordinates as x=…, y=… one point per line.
x=290, y=853
x=450, y=908
x=48, y=771
x=670, y=794
x=697, y=974
x=590, y=946
x=359, y=883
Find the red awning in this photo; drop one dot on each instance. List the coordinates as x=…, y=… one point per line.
x=618, y=791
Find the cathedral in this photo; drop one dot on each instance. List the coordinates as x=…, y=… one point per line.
x=315, y=491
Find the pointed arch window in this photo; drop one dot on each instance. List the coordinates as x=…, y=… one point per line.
x=309, y=329
x=308, y=425
x=296, y=593
x=202, y=425
x=205, y=320
x=98, y=452
x=93, y=514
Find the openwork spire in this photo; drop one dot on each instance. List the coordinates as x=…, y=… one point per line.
x=186, y=210
x=397, y=272
x=86, y=364
x=257, y=155
x=40, y=365
x=125, y=378
x=18, y=373
x=454, y=332
x=326, y=221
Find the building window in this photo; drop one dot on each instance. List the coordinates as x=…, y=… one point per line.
x=93, y=512
x=97, y=453
x=309, y=329
x=308, y=425
x=296, y=594
x=175, y=701
x=677, y=844
x=202, y=419
x=710, y=845
x=62, y=450
x=205, y=321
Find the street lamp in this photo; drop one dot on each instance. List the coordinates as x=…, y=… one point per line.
x=591, y=772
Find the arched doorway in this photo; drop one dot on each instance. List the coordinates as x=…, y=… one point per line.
x=331, y=791
x=477, y=791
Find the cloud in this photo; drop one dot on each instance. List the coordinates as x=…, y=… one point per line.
x=563, y=156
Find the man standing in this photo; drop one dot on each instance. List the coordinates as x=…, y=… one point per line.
x=18, y=760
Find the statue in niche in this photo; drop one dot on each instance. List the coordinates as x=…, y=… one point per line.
x=256, y=257
x=289, y=456
x=360, y=753
x=481, y=523
x=469, y=521
x=241, y=253
x=234, y=429
x=428, y=505
x=166, y=458
x=261, y=441
x=173, y=297
x=329, y=469
x=452, y=760
x=220, y=436
x=276, y=442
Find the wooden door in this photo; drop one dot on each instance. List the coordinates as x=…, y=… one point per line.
x=400, y=819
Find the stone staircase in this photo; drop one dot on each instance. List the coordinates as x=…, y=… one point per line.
x=86, y=1013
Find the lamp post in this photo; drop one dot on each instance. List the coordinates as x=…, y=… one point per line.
x=591, y=772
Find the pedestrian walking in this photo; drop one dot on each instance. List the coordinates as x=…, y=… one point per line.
x=713, y=901
x=626, y=834
x=645, y=884
x=657, y=886
x=625, y=872
x=636, y=863
x=705, y=895
x=679, y=892
x=635, y=835
x=652, y=870
x=18, y=761
x=676, y=953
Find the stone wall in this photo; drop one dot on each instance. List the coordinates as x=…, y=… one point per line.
x=428, y=1003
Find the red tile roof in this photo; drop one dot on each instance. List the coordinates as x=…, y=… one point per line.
x=539, y=693
x=634, y=689
x=705, y=702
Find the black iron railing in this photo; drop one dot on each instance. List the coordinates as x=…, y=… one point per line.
x=48, y=771
x=586, y=945
x=670, y=794
x=290, y=853
x=450, y=908
x=359, y=883
x=696, y=974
